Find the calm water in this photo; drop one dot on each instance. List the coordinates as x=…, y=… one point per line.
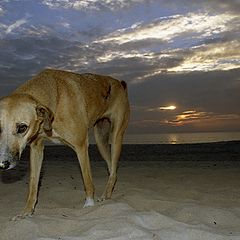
x=179, y=138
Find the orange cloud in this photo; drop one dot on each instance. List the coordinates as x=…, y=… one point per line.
x=195, y=117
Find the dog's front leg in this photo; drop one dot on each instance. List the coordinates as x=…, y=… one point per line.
x=36, y=158
x=82, y=153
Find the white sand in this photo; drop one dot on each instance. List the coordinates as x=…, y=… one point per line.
x=151, y=201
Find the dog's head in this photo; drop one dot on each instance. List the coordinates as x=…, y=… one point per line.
x=22, y=120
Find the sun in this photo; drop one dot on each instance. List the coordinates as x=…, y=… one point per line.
x=172, y=107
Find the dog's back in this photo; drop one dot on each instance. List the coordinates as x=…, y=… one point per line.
x=55, y=88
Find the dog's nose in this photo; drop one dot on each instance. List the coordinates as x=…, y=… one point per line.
x=4, y=165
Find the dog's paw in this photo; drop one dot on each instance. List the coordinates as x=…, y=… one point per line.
x=21, y=216
x=104, y=197
x=89, y=202
x=101, y=199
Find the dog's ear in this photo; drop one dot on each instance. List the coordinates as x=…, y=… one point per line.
x=46, y=115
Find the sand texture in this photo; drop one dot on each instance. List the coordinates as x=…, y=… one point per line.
x=167, y=192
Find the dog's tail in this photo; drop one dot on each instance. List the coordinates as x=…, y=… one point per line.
x=124, y=85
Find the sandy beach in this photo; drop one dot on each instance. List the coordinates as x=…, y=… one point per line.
x=167, y=192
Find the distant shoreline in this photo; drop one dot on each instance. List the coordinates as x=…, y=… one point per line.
x=181, y=138
x=218, y=151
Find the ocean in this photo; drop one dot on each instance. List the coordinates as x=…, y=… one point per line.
x=181, y=138
x=174, y=138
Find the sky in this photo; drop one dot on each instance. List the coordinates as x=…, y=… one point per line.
x=181, y=59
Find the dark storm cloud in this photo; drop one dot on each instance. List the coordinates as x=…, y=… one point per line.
x=21, y=58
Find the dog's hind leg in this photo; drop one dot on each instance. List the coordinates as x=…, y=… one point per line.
x=118, y=130
x=101, y=133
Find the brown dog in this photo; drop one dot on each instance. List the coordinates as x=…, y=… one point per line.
x=60, y=105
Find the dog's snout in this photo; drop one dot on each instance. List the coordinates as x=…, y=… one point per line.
x=5, y=165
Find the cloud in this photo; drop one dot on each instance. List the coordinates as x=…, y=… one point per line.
x=203, y=121
x=1, y=11
x=192, y=116
x=208, y=43
x=215, y=5
x=141, y=66
x=195, y=122
x=210, y=57
x=95, y=5
x=167, y=28
x=15, y=25
x=2, y=29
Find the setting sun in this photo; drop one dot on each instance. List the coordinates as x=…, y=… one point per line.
x=168, y=108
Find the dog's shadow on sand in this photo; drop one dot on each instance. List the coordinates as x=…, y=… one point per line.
x=17, y=173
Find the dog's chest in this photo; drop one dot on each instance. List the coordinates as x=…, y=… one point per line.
x=55, y=138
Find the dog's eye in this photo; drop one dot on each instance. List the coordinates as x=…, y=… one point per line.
x=21, y=128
